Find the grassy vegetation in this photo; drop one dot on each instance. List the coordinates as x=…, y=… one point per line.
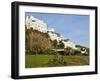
x=37, y=60
x=32, y=61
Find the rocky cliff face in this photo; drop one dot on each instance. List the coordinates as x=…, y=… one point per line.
x=37, y=40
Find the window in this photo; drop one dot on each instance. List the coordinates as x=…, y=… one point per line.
x=33, y=21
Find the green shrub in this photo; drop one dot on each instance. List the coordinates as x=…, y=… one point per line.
x=77, y=52
x=58, y=60
x=50, y=51
x=68, y=51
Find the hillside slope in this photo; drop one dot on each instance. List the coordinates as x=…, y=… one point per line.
x=37, y=40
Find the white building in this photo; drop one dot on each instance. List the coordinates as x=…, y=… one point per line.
x=53, y=35
x=36, y=24
x=69, y=43
x=56, y=36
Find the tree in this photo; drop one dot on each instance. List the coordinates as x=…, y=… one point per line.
x=55, y=43
x=68, y=51
x=36, y=49
x=61, y=45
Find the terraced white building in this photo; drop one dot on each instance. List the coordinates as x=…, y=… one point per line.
x=69, y=43
x=53, y=35
x=40, y=25
x=36, y=24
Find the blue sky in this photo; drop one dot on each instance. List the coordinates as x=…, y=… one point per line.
x=74, y=27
